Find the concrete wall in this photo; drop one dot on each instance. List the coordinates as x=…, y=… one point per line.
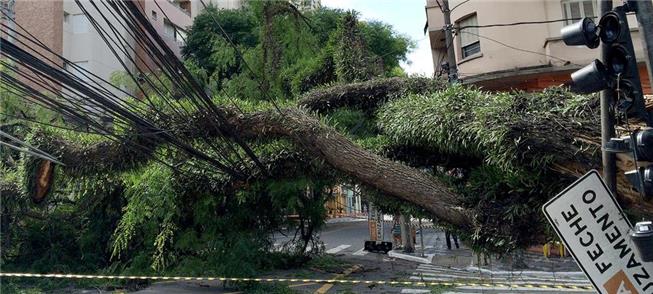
x=49, y=29
x=88, y=46
x=29, y=14
x=174, y=14
x=162, y=15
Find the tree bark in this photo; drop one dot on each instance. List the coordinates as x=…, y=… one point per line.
x=307, y=132
x=388, y=176
x=406, y=236
x=367, y=95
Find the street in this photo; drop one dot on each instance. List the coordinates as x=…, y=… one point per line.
x=344, y=240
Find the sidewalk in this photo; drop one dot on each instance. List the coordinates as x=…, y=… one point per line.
x=436, y=252
x=346, y=219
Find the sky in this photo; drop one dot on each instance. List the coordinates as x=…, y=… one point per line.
x=406, y=16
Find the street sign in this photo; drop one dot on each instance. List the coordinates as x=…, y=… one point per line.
x=593, y=227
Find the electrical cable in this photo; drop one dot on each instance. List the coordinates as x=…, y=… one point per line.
x=166, y=16
x=461, y=3
x=33, y=150
x=49, y=72
x=520, y=23
x=520, y=49
x=179, y=73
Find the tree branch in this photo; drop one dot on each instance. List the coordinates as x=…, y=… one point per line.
x=367, y=95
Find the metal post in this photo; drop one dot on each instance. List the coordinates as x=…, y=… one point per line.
x=382, y=221
x=644, y=12
x=607, y=118
x=421, y=236
x=448, y=33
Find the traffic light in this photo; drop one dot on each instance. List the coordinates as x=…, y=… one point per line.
x=618, y=71
x=640, y=145
x=642, y=236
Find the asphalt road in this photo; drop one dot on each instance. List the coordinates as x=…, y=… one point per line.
x=344, y=240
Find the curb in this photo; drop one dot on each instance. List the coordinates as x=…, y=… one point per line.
x=427, y=259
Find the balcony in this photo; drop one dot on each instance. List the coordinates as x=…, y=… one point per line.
x=183, y=5
x=435, y=24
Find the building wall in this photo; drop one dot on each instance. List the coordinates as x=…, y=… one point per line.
x=163, y=15
x=62, y=27
x=171, y=21
x=84, y=45
x=197, y=7
x=345, y=201
x=48, y=30
x=513, y=48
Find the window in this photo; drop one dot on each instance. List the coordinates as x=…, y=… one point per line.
x=573, y=10
x=180, y=36
x=154, y=16
x=469, y=41
x=66, y=17
x=80, y=23
x=168, y=28
x=77, y=72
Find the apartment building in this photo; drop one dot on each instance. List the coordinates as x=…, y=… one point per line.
x=62, y=26
x=528, y=57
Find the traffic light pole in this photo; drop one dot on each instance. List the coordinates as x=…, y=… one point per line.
x=645, y=19
x=448, y=35
x=607, y=118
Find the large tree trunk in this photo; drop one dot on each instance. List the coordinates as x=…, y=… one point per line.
x=406, y=234
x=388, y=176
x=320, y=141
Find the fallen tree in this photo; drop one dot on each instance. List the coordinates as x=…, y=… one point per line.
x=547, y=138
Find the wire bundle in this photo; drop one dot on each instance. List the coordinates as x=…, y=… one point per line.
x=38, y=74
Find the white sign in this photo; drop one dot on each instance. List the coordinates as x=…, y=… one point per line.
x=596, y=232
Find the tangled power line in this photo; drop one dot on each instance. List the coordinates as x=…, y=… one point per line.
x=39, y=75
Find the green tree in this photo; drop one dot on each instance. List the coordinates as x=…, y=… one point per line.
x=387, y=44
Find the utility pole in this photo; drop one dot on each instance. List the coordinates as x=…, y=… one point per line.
x=607, y=118
x=448, y=34
x=644, y=12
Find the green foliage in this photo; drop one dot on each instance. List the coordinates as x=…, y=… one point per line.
x=150, y=198
x=206, y=43
x=390, y=46
x=286, y=53
x=356, y=123
x=492, y=126
x=510, y=185
x=308, y=73
x=352, y=61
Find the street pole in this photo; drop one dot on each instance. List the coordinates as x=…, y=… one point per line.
x=448, y=34
x=644, y=12
x=607, y=118
x=421, y=236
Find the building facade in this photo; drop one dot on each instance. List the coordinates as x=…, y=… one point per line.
x=345, y=201
x=528, y=57
x=62, y=26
